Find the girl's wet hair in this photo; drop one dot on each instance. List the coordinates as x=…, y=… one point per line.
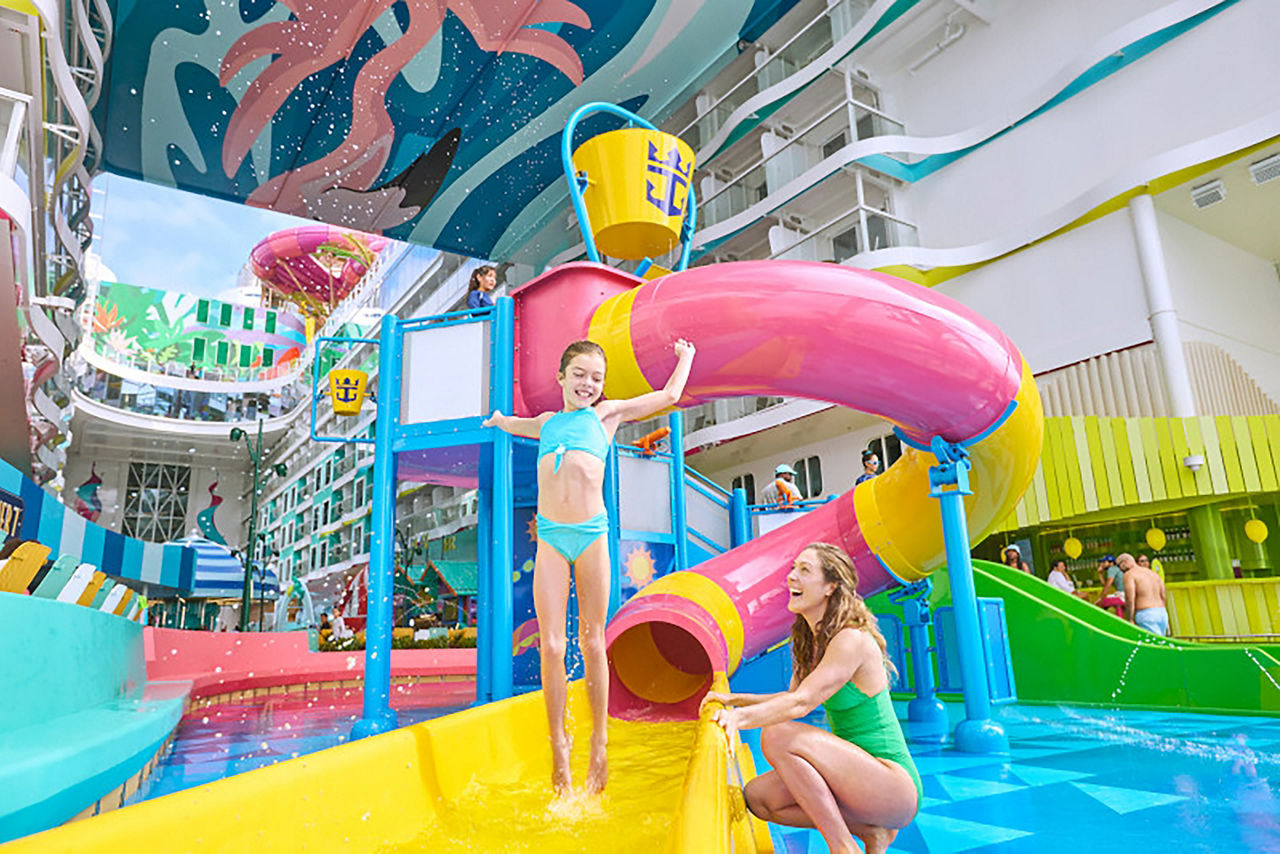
x=578, y=348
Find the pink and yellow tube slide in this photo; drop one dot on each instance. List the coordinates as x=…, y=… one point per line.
x=824, y=332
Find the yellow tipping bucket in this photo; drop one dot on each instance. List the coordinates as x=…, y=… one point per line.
x=637, y=190
x=346, y=390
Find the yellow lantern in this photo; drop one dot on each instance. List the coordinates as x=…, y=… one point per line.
x=1073, y=547
x=1256, y=530
x=1156, y=538
x=347, y=390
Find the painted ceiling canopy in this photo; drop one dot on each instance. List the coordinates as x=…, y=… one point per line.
x=433, y=121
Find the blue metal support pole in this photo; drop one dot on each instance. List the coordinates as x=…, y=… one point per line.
x=739, y=518
x=949, y=483
x=924, y=710
x=611, y=499
x=484, y=581
x=679, y=518
x=500, y=609
x=378, y=716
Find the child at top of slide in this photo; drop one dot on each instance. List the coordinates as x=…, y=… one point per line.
x=573, y=445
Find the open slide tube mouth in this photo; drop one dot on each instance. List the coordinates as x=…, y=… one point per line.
x=663, y=654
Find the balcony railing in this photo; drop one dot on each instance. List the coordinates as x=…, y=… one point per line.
x=13, y=117
x=846, y=122
x=812, y=40
x=702, y=416
x=143, y=361
x=862, y=229
x=183, y=404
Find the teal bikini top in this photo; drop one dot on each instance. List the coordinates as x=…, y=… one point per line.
x=576, y=430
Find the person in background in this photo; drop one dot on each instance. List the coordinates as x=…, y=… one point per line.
x=1111, y=577
x=483, y=281
x=870, y=466
x=782, y=491
x=1013, y=558
x=1144, y=596
x=1060, y=578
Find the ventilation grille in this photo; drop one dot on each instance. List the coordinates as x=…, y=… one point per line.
x=1267, y=169
x=1208, y=194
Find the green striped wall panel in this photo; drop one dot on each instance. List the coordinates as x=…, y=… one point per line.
x=1091, y=463
x=1262, y=455
x=1230, y=458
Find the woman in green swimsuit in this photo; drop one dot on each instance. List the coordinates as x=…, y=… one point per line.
x=858, y=779
x=573, y=444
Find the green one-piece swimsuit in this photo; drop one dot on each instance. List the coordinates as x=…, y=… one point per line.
x=870, y=723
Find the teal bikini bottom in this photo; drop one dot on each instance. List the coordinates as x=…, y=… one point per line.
x=571, y=539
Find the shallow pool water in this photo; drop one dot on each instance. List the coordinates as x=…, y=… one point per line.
x=647, y=764
x=231, y=738
x=1075, y=779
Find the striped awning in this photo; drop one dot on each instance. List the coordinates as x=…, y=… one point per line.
x=220, y=575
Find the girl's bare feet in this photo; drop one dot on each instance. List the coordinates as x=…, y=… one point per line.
x=877, y=839
x=598, y=769
x=561, y=776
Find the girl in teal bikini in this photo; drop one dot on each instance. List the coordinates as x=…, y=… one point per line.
x=571, y=524
x=859, y=779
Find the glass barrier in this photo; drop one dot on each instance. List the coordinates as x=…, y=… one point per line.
x=183, y=404
x=860, y=230
x=813, y=39
x=783, y=160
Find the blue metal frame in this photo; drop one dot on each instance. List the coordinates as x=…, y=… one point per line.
x=315, y=394
x=496, y=649
x=739, y=518
x=611, y=499
x=578, y=182
x=449, y=318
x=378, y=717
x=494, y=655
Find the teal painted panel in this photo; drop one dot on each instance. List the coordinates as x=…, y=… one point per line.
x=133, y=558
x=95, y=539
x=62, y=658
x=52, y=512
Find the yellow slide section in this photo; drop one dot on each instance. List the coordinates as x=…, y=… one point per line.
x=475, y=781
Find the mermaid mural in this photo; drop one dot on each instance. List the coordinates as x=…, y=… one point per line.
x=88, y=504
x=208, y=526
x=435, y=121
x=339, y=187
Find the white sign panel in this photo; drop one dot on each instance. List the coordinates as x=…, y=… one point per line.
x=445, y=373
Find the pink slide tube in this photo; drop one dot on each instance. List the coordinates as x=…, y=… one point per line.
x=824, y=332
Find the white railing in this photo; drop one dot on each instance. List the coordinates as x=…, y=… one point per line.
x=13, y=117
x=813, y=39
x=783, y=160
x=862, y=229
x=142, y=362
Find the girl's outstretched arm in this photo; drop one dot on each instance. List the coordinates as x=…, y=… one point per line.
x=637, y=408
x=528, y=427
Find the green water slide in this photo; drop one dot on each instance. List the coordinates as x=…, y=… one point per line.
x=1068, y=651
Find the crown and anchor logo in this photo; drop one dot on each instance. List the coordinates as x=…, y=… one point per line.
x=672, y=201
x=347, y=390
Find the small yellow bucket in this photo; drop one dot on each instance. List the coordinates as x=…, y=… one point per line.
x=346, y=390
x=637, y=190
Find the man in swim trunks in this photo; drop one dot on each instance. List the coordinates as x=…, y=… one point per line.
x=1144, y=596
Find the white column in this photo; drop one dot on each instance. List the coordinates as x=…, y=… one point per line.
x=1160, y=311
